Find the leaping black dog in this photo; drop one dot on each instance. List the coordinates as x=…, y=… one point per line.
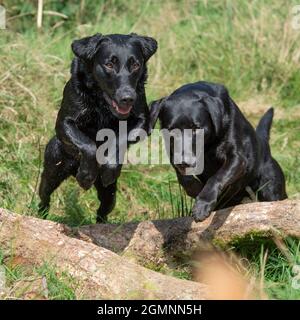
x=235, y=155
x=107, y=84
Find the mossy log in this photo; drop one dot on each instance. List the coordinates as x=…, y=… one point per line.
x=86, y=252
x=161, y=240
x=100, y=273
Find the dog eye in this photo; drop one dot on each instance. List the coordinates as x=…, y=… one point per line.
x=135, y=66
x=109, y=65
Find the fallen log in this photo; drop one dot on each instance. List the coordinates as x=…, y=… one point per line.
x=162, y=240
x=101, y=273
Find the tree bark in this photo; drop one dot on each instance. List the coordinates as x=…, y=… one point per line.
x=106, y=275
x=101, y=273
x=162, y=240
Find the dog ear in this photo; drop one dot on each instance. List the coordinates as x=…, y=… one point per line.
x=155, y=108
x=86, y=48
x=215, y=108
x=148, y=45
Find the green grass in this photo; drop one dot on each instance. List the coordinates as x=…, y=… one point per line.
x=249, y=46
x=279, y=275
x=44, y=282
x=274, y=266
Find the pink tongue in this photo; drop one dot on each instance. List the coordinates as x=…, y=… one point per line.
x=119, y=109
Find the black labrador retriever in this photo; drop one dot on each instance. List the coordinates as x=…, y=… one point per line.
x=235, y=155
x=107, y=84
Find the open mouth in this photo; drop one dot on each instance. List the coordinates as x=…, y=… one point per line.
x=121, y=110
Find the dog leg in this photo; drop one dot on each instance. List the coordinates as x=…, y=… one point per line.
x=68, y=132
x=233, y=168
x=107, y=197
x=57, y=167
x=190, y=184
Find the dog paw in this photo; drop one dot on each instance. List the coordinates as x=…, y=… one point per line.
x=202, y=210
x=85, y=179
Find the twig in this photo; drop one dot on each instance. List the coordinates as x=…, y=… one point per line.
x=55, y=13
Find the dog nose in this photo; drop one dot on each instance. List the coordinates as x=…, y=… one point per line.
x=125, y=96
x=127, y=100
x=188, y=163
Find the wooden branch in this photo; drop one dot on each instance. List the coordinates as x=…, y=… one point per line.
x=162, y=240
x=101, y=273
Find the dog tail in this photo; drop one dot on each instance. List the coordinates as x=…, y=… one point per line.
x=264, y=125
x=155, y=107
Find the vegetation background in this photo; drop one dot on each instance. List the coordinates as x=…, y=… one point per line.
x=250, y=46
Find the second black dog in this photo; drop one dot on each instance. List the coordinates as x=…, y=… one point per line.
x=235, y=155
x=108, y=75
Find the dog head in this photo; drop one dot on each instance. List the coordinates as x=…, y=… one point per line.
x=117, y=64
x=181, y=115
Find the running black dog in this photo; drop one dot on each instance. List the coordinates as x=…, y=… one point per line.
x=235, y=155
x=107, y=84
